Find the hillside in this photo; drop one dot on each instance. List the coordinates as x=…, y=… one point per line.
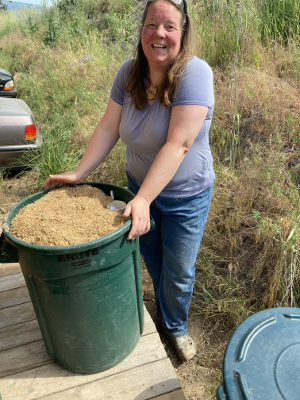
x=64, y=61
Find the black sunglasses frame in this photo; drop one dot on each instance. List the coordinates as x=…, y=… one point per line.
x=182, y=4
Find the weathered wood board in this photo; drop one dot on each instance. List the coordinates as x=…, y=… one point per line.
x=16, y=314
x=14, y=297
x=9, y=269
x=28, y=373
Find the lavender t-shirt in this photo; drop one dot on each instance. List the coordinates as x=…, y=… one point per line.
x=145, y=131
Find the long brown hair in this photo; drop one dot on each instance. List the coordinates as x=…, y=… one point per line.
x=139, y=69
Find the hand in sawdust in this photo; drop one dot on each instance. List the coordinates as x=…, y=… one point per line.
x=139, y=209
x=67, y=178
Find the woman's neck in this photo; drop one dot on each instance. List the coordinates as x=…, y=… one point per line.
x=155, y=76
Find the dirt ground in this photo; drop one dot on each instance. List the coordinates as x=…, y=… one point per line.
x=199, y=377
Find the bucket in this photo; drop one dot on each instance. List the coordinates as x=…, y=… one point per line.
x=261, y=359
x=87, y=297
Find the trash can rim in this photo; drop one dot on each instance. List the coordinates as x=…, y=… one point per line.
x=63, y=249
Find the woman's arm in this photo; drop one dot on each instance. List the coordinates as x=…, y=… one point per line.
x=103, y=139
x=185, y=124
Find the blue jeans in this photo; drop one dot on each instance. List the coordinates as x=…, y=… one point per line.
x=170, y=252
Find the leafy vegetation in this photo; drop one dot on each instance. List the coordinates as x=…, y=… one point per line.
x=64, y=59
x=56, y=156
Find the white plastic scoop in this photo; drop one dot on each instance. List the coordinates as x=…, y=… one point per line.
x=117, y=205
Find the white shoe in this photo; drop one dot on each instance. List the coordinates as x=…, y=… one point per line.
x=185, y=347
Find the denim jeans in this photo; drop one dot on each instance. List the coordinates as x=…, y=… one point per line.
x=170, y=252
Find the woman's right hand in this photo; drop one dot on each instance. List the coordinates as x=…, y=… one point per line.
x=139, y=209
x=67, y=178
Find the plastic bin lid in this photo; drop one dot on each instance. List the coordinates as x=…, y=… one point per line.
x=262, y=358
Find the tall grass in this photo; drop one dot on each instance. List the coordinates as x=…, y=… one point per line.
x=56, y=156
x=221, y=26
x=9, y=22
x=278, y=20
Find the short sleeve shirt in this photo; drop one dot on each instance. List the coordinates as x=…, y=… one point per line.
x=145, y=131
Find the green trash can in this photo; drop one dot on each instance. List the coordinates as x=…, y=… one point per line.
x=87, y=297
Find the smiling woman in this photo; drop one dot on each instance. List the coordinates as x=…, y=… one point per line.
x=161, y=106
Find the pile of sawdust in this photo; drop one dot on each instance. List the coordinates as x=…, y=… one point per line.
x=67, y=216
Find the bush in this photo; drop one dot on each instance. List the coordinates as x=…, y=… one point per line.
x=57, y=155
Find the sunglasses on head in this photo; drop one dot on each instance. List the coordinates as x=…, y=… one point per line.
x=182, y=4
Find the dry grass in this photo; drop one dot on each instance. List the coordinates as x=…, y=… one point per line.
x=247, y=251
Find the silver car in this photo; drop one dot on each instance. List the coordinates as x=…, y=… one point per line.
x=18, y=132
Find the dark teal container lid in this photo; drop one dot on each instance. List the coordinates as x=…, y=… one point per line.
x=262, y=358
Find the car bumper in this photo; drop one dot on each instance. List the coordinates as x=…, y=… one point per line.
x=9, y=158
x=8, y=93
x=9, y=154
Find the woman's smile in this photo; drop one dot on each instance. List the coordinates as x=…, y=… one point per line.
x=159, y=46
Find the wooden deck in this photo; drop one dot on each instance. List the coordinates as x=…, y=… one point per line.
x=27, y=372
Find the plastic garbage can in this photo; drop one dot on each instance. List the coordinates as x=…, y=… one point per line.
x=262, y=358
x=87, y=297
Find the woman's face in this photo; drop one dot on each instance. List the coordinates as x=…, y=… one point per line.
x=161, y=34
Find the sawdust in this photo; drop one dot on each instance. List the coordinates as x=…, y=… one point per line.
x=67, y=216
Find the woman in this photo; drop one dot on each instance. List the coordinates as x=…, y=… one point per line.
x=161, y=106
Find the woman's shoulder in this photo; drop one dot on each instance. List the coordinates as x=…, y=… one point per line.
x=196, y=65
x=124, y=68
x=127, y=63
x=118, y=88
x=195, y=85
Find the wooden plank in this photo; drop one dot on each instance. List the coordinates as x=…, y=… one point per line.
x=141, y=383
x=175, y=395
x=18, y=335
x=11, y=282
x=21, y=358
x=45, y=380
x=9, y=269
x=13, y=297
x=16, y=315
x=149, y=326
x=15, y=338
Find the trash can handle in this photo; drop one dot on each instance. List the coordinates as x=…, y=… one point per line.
x=8, y=253
x=152, y=224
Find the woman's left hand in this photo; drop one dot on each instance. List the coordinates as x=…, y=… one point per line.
x=139, y=209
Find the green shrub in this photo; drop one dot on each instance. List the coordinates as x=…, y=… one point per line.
x=53, y=30
x=56, y=156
